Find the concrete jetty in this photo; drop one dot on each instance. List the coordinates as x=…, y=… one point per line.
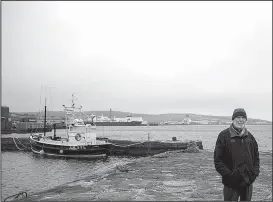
x=169, y=176
x=118, y=148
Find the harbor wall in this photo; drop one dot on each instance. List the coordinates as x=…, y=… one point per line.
x=170, y=176
x=118, y=148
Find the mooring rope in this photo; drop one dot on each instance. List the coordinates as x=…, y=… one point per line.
x=15, y=196
x=17, y=145
x=22, y=144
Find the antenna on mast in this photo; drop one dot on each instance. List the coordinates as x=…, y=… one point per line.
x=72, y=99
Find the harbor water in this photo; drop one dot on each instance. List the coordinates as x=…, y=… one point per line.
x=23, y=171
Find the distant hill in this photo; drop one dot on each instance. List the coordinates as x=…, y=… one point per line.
x=151, y=118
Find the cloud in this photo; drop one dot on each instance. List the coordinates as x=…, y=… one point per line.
x=155, y=57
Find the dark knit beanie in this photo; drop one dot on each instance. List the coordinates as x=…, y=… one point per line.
x=239, y=112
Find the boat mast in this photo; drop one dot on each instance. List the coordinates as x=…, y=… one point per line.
x=45, y=88
x=45, y=120
x=71, y=112
x=66, y=121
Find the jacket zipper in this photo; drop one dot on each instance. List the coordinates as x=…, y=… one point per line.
x=242, y=141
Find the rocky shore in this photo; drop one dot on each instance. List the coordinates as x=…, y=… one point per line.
x=173, y=175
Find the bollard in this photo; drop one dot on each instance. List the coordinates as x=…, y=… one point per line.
x=54, y=127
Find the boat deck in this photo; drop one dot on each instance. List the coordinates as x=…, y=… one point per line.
x=64, y=142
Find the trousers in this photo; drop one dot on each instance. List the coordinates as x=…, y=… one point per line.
x=231, y=194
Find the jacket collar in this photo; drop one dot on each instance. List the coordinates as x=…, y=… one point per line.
x=234, y=133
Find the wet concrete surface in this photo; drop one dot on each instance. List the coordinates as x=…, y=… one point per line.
x=171, y=176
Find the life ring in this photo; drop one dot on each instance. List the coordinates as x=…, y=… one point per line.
x=78, y=137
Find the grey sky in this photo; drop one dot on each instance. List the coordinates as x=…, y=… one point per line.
x=140, y=57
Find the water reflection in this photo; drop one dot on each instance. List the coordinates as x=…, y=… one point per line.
x=24, y=171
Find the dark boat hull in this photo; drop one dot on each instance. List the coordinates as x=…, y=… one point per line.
x=88, y=151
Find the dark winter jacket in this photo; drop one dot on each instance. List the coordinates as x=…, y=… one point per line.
x=236, y=158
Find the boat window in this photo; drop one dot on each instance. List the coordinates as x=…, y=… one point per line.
x=78, y=129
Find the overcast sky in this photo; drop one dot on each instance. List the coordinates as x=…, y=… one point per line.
x=139, y=57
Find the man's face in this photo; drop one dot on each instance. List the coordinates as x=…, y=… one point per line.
x=239, y=122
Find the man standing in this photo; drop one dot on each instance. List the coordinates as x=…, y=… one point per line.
x=236, y=158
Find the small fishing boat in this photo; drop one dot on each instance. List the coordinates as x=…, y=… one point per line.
x=80, y=140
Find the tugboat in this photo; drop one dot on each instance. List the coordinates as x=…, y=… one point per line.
x=80, y=140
